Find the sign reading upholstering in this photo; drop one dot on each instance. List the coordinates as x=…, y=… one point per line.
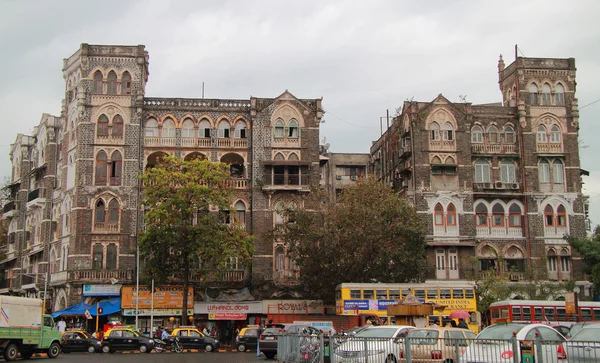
x=165, y=297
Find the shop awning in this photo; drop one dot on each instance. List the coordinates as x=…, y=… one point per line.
x=108, y=307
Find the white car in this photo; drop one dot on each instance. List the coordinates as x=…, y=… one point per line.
x=374, y=344
x=495, y=344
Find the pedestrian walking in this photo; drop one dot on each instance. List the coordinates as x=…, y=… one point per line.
x=259, y=333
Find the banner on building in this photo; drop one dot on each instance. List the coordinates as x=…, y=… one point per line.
x=102, y=290
x=226, y=316
x=248, y=307
x=165, y=297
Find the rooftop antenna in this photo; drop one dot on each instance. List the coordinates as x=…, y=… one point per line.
x=203, y=89
x=463, y=98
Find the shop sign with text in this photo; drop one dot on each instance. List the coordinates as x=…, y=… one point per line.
x=292, y=306
x=226, y=316
x=165, y=297
x=249, y=307
x=156, y=312
x=101, y=290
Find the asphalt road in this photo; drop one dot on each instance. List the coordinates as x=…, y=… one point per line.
x=216, y=357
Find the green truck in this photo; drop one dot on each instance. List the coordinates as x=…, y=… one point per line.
x=25, y=330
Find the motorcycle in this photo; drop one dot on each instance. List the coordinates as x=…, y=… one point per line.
x=172, y=344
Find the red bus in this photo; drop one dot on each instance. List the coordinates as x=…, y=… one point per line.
x=542, y=311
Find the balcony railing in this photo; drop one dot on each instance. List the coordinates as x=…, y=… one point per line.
x=94, y=275
x=284, y=141
x=167, y=141
x=224, y=276
x=106, y=227
x=151, y=141
x=232, y=142
x=8, y=207
x=34, y=194
x=442, y=145
x=290, y=181
x=239, y=183
x=445, y=231
x=499, y=232
x=549, y=147
x=493, y=148
x=555, y=232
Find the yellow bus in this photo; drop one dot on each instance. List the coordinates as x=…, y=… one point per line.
x=373, y=298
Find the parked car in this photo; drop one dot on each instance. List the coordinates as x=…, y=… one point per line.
x=124, y=338
x=191, y=337
x=247, y=338
x=575, y=328
x=438, y=344
x=268, y=341
x=383, y=344
x=584, y=346
x=494, y=344
x=79, y=341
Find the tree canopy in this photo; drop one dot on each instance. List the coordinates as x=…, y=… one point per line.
x=189, y=227
x=589, y=248
x=369, y=234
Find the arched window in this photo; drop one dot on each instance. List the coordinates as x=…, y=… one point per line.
x=113, y=212
x=293, y=130
x=293, y=156
x=111, y=257
x=240, y=130
x=482, y=171
x=542, y=134
x=278, y=213
x=481, y=215
x=101, y=168
x=117, y=126
x=514, y=215
x=533, y=94
x=497, y=215
x=493, y=135
x=204, y=129
x=102, y=126
x=544, y=171
x=447, y=132
x=126, y=83
x=555, y=134
x=98, y=83
x=279, y=262
x=509, y=135
x=548, y=216
x=112, y=83
x=187, y=129
x=559, y=95
x=507, y=171
x=476, y=134
x=436, y=163
x=451, y=215
x=100, y=212
x=151, y=128
x=240, y=212
x=561, y=216
x=279, y=156
x=439, y=215
x=98, y=254
x=116, y=168
x=558, y=172
x=434, y=131
x=546, y=94
x=279, y=129
x=168, y=128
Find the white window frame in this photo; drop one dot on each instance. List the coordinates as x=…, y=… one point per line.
x=477, y=134
x=544, y=171
x=507, y=171
x=482, y=171
x=558, y=172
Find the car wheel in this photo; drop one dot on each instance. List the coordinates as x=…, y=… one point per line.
x=391, y=359
x=91, y=349
x=106, y=349
x=209, y=348
x=26, y=354
x=269, y=355
x=143, y=348
x=449, y=361
x=11, y=352
x=241, y=348
x=54, y=350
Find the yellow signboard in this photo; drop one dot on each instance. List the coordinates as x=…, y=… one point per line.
x=570, y=302
x=165, y=297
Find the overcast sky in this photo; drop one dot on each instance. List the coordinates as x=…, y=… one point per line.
x=362, y=57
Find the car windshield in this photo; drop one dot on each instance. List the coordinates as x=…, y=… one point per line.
x=500, y=331
x=377, y=333
x=575, y=328
x=587, y=335
x=424, y=336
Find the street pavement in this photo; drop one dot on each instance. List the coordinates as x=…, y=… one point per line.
x=135, y=357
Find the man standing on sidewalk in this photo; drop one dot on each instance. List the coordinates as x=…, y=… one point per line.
x=259, y=332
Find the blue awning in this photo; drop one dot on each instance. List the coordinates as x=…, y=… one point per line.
x=109, y=307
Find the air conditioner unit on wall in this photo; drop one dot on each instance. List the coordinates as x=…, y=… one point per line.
x=499, y=185
x=353, y=177
x=514, y=186
x=338, y=177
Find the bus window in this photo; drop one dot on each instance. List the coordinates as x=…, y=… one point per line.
x=368, y=294
x=495, y=313
x=549, y=314
x=537, y=314
x=381, y=294
x=432, y=293
x=586, y=315
x=355, y=294
x=561, y=314
x=458, y=293
x=516, y=313
x=420, y=293
x=596, y=314
x=394, y=294
x=444, y=293
x=504, y=313
x=469, y=293
x=526, y=313
x=405, y=292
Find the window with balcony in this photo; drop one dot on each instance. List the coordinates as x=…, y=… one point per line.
x=278, y=213
x=533, y=94
x=293, y=129
x=561, y=216
x=151, y=128
x=493, y=134
x=548, y=216
x=168, y=128
x=116, y=168
x=434, y=131
x=97, y=86
x=279, y=262
x=544, y=171
x=204, y=129
x=187, y=129
x=117, y=126
x=451, y=215
x=546, y=94
x=482, y=171
x=439, y=215
x=555, y=134
x=445, y=219
x=100, y=212
x=514, y=215
x=542, y=134
x=98, y=257
x=476, y=134
x=559, y=95
x=224, y=129
x=279, y=129
x=509, y=135
x=113, y=213
x=447, y=132
x=126, y=83
x=497, y=215
x=240, y=130
x=111, y=257
x=481, y=215
x=112, y=83
x=102, y=126
x=558, y=172
x=101, y=168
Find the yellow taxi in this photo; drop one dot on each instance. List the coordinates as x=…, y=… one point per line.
x=125, y=338
x=191, y=337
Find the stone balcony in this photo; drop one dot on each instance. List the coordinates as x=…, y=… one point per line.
x=445, y=231
x=499, y=232
x=493, y=148
x=442, y=145
x=101, y=276
x=549, y=148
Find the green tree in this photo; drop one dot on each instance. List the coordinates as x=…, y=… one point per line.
x=589, y=249
x=369, y=234
x=186, y=204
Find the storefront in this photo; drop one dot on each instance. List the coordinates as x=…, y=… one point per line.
x=225, y=317
x=163, y=307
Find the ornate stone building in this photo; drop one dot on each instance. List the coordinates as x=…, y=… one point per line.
x=498, y=185
x=76, y=212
